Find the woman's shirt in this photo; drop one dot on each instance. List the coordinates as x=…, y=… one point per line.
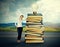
x=19, y=23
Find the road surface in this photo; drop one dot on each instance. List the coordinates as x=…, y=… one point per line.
x=8, y=39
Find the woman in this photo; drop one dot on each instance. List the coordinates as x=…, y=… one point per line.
x=19, y=28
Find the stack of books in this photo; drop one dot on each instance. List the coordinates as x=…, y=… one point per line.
x=34, y=29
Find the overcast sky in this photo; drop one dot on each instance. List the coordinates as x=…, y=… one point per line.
x=10, y=9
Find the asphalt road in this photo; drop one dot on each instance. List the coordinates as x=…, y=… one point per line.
x=8, y=39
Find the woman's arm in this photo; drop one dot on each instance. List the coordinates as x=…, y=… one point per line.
x=15, y=24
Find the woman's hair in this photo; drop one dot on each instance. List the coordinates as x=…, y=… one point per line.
x=22, y=15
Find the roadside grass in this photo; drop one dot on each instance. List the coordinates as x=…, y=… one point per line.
x=14, y=29
x=6, y=29
x=51, y=29
x=10, y=29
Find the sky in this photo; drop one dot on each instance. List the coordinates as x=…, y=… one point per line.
x=11, y=9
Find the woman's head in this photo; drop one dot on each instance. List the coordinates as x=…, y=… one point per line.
x=21, y=16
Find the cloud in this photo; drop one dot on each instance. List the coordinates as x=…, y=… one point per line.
x=49, y=8
x=8, y=9
x=52, y=8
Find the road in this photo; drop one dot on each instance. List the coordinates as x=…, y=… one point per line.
x=8, y=39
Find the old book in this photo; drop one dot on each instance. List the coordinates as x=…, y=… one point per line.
x=35, y=29
x=37, y=32
x=34, y=26
x=38, y=14
x=34, y=41
x=34, y=37
x=34, y=19
x=34, y=23
x=29, y=35
x=33, y=34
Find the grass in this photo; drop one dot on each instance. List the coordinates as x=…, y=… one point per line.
x=51, y=29
x=14, y=29
x=8, y=29
x=11, y=28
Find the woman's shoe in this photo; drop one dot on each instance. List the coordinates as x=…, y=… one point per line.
x=18, y=41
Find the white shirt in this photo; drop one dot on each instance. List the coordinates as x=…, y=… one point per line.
x=19, y=23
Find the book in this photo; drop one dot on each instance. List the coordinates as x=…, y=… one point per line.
x=34, y=41
x=36, y=32
x=34, y=19
x=35, y=29
x=34, y=23
x=32, y=34
x=29, y=35
x=32, y=37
